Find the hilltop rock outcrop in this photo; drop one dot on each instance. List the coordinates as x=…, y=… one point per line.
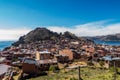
x=40, y=34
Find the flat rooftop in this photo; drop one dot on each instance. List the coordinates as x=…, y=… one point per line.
x=44, y=52
x=3, y=69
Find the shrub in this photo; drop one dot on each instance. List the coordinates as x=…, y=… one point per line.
x=101, y=63
x=53, y=68
x=89, y=63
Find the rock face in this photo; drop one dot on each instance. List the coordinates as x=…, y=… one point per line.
x=42, y=34
x=36, y=35
x=70, y=35
x=115, y=37
x=39, y=34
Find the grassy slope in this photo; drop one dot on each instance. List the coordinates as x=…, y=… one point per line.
x=86, y=74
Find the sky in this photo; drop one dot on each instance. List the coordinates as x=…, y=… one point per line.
x=81, y=17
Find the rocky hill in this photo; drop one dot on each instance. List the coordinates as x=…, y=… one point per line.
x=42, y=34
x=113, y=37
x=70, y=35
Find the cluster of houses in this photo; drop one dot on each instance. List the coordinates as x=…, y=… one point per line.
x=37, y=57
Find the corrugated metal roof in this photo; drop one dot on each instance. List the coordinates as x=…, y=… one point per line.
x=109, y=58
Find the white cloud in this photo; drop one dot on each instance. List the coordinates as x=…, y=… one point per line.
x=12, y=34
x=90, y=29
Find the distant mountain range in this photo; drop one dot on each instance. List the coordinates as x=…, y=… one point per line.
x=112, y=37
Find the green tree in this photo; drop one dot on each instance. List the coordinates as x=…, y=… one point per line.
x=102, y=63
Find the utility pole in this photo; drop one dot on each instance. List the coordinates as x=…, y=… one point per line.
x=79, y=74
x=77, y=67
x=114, y=71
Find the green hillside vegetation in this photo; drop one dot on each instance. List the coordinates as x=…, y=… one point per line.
x=86, y=74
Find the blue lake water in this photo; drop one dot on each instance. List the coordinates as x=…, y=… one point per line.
x=113, y=43
x=4, y=44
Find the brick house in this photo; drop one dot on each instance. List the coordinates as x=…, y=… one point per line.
x=42, y=55
x=70, y=53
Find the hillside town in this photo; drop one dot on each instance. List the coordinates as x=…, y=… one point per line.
x=37, y=57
